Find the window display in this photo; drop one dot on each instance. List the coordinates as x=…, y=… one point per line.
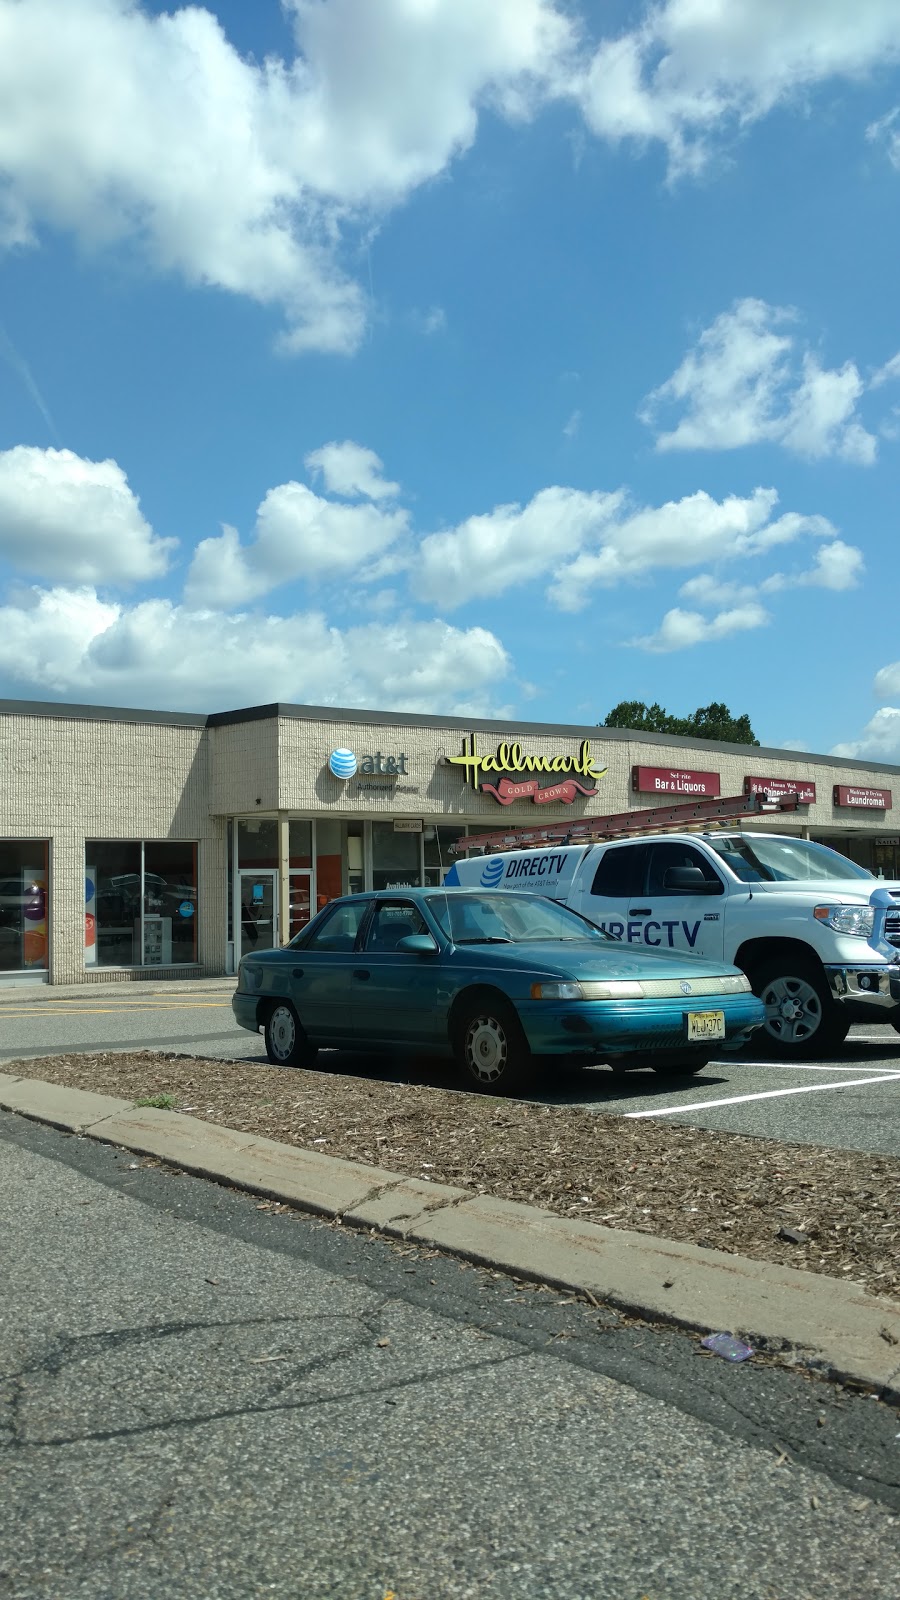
x=140, y=903
x=24, y=926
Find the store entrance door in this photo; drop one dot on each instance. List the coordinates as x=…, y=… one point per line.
x=258, y=910
x=300, y=901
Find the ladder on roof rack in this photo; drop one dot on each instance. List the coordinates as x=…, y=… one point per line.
x=591, y=830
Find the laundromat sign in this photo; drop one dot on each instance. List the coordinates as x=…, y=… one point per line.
x=510, y=760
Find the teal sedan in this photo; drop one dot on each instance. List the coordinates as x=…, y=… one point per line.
x=501, y=982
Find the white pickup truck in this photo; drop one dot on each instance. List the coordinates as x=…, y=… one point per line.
x=818, y=936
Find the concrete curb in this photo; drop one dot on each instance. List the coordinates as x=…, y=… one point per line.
x=827, y=1325
x=28, y=993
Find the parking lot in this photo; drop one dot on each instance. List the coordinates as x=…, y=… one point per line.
x=850, y=1101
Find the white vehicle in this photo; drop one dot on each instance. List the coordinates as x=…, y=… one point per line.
x=817, y=935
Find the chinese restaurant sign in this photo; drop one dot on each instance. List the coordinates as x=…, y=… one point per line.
x=776, y=787
x=865, y=799
x=509, y=761
x=670, y=780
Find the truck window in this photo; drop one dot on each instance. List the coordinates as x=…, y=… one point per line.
x=621, y=871
x=672, y=854
x=778, y=857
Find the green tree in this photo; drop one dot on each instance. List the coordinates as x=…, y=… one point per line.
x=714, y=721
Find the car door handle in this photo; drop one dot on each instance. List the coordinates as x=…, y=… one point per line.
x=296, y=972
x=640, y=911
x=362, y=973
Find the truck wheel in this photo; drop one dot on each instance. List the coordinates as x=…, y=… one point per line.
x=490, y=1045
x=801, y=1016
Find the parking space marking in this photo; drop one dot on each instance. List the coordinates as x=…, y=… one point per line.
x=763, y=1094
x=803, y=1066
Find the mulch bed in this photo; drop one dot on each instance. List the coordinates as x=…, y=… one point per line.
x=722, y=1190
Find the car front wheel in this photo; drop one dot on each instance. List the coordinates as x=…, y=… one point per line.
x=286, y=1043
x=491, y=1047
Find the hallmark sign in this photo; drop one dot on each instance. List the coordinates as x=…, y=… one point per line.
x=509, y=761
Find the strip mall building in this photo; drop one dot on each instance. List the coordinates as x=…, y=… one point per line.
x=138, y=844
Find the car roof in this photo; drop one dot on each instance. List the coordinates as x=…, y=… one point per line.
x=417, y=892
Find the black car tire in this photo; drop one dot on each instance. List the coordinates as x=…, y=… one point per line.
x=817, y=1023
x=896, y=1024
x=490, y=1045
x=286, y=1043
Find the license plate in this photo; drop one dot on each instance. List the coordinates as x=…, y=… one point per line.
x=706, y=1024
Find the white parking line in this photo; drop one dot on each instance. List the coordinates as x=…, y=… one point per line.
x=764, y=1094
x=801, y=1066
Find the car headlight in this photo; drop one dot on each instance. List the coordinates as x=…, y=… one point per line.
x=740, y=982
x=847, y=919
x=617, y=989
x=557, y=991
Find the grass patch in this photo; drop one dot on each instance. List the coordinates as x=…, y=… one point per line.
x=159, y=1102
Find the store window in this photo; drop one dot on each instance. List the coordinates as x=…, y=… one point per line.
x=258, y=842
x=396, y=858
x=24, y=905
x=141, y=903
x=437, y=858
x=329, y=861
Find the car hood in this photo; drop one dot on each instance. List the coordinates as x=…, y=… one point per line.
x=588, y=960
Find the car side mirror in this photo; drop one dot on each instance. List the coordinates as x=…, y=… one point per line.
x=417, y=944
x=689, y=880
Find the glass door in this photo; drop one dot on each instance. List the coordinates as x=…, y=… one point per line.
x=300, y=901
x=258, y=896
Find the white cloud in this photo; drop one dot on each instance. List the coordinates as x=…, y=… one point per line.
x=693, y=70
x=69, y=643
x=707, y=590
x=350, y=469
x=746, y=382
x=119, y=125
x=887, y=373
x=887, y=681
x=681, y=533
x=298, y=534
x=880, y=738
x=887, y=132
x=72, y=520
x=680, y=630
x=512, y=544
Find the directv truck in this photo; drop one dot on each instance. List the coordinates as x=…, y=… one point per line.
x=817, y=936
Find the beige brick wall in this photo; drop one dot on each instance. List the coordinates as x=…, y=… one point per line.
x=70, y=780
x=305, y=783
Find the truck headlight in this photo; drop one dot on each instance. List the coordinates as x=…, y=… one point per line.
x=557, y=991
x=847, y=919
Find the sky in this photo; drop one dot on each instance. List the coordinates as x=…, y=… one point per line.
x=489, y=359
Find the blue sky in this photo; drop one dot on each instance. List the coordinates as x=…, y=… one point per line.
x=417, y=355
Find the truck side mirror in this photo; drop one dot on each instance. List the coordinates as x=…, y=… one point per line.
x=689, y=880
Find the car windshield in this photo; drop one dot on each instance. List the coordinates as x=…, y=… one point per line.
x=764, y=859
x=507, y=919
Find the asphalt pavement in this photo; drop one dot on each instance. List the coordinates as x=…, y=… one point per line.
x=847, y=1101
x=203, y=1397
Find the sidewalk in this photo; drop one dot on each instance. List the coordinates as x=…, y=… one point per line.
x=13, y=993
x=831, y=1327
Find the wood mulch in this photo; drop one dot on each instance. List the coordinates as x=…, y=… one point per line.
x=722, y=1190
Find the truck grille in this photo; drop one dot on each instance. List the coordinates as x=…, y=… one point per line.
x=892, y=928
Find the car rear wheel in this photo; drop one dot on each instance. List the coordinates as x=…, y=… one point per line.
x=802, y=1019
x=491, y=1047
x=286, y=1043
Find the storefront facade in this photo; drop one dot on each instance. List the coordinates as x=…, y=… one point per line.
x=139, y=844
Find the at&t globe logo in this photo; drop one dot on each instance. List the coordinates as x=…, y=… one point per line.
x=342, y=763
x=493, y=872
